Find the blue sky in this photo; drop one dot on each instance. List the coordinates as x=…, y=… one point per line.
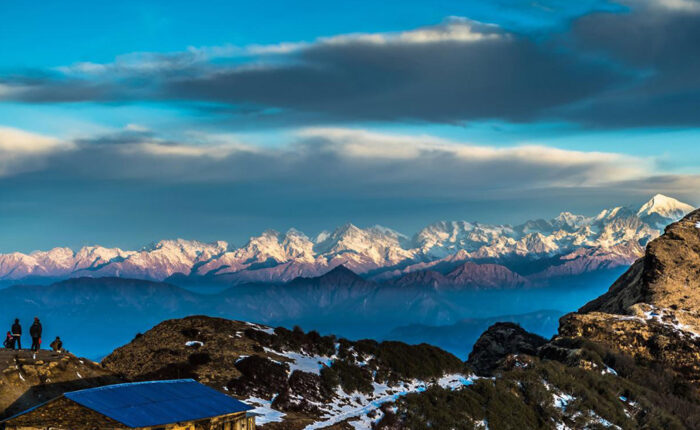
x=67, y=32
x=127, y=122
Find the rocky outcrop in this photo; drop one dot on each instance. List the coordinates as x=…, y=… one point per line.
x=28, y=379
x=650, y=336
x=500, y=341
x=202, y=348
x=667, y=277
x=652, y=312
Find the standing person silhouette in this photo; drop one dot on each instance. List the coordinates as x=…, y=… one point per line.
x=17, y=334
x=35, y=332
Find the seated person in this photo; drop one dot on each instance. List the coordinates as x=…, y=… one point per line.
x=9, y=341
x=57, y=345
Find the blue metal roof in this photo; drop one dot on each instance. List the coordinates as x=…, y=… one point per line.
x=146, y=404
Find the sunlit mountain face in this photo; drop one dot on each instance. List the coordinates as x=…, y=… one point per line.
x=456, y=253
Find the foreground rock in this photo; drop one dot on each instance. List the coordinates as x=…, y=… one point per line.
x=500, y=341
x=27, y=380
x=652, y=312
x=667, y=278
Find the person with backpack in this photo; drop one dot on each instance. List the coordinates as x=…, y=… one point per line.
x=17, y=334
x=35, y=332
x=57, y=345
x=9, y=341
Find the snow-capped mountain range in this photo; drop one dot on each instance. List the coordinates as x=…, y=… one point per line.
x=573, y=243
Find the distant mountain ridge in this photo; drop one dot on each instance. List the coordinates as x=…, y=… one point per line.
x=572, y=244
x=625, y=360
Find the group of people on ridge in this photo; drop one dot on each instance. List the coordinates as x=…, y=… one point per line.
x=14, y=337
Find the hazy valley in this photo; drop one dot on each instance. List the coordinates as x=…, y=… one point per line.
x=626, y=359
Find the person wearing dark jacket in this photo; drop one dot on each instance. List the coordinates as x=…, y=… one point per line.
x=35, y=332
x=9, y=341
x=57, y=345
x=17, y=334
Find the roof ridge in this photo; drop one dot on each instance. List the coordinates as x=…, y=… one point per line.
x=124, y=384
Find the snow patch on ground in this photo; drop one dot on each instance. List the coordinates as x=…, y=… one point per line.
x=454, y=382
x=561, y=400
x=357, y=405
x=602, y=421
x=482, y=425
x=609, y=370
x=303, y=362
x=194, y=343
x=263, y=328
x=664, y=317
x=347, y=406
x=306, y=363
x=263, y=411
x=358, y=409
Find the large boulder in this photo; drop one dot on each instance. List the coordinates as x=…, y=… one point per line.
x=498, y=342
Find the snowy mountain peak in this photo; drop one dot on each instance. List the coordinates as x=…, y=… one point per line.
x=379, y=230
x=270, y=234
x=347, y=229
x=184, y=247
x=664, y=206
x=294, y=232
x=567, y=219
x=619, y=233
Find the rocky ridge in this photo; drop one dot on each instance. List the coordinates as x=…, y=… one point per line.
x=27, y=379
x=653, y=311
x=295, y=379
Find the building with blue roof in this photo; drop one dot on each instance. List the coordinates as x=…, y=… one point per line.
x=182, y=404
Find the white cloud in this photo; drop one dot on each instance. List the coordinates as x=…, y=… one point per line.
x=676, y=5
x=169, y=150
x=21, y=151
x=586, y=168
x=21, y=142
x=9, y=91
x=453, y=29
x=348, y=160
